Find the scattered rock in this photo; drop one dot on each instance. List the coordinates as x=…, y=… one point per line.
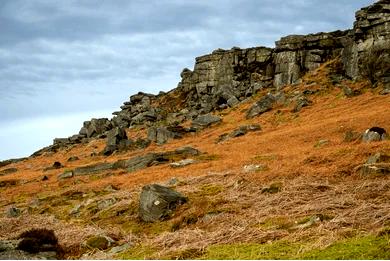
x=240, y=131
x=106, y=203
x=8, y=171
x=263, y=105
x=374, y=134
x=121, y=248
x=377, y=164
x=182, y=163
x=56, y=165
x=13, y=212
x=300, y=102
x=321, y=143
x=73, y=158
x=272, y=189
x=76, y=210
x=312, y=221
x=66, y=175
x=92, y=169
x=111, y=188
x=158, y=202
x=205, y=121
x=173, y=182
x=255, y=168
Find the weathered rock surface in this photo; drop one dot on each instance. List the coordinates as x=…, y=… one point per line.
x=158, y=202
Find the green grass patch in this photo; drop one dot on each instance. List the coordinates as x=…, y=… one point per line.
x=211, y=189
x=368, y=247
x=140, y=252
x=277, y=250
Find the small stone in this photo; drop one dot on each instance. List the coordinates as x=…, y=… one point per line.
x=173, y=182
x=182, y=163
x=73, y=158
x=255, y=168
x=44, y=178
x=66, y=175
x=119, y=249
x=106, y=203
x=13, y=212
x=321, y=143
x=75, y=210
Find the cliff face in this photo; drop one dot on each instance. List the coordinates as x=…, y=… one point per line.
x=225, y=77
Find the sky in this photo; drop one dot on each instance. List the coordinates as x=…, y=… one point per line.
x=64, y=62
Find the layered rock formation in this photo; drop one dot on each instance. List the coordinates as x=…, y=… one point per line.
x=224, y=78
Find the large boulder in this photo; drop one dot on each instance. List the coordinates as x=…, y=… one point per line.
x=158, y=202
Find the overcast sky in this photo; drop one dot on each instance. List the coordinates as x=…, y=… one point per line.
x=66, y=61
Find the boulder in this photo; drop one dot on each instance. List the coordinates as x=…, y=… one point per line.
x=205, y=121
x=263, y=105
x=374, y=134
x=158, y=202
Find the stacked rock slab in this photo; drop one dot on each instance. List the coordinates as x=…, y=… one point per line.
x=224, y=78
x=297, y=54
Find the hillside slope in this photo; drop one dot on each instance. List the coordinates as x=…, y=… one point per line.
x=288, y=191
x=278, y=153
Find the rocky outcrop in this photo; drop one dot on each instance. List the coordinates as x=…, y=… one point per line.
x=224, y=78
